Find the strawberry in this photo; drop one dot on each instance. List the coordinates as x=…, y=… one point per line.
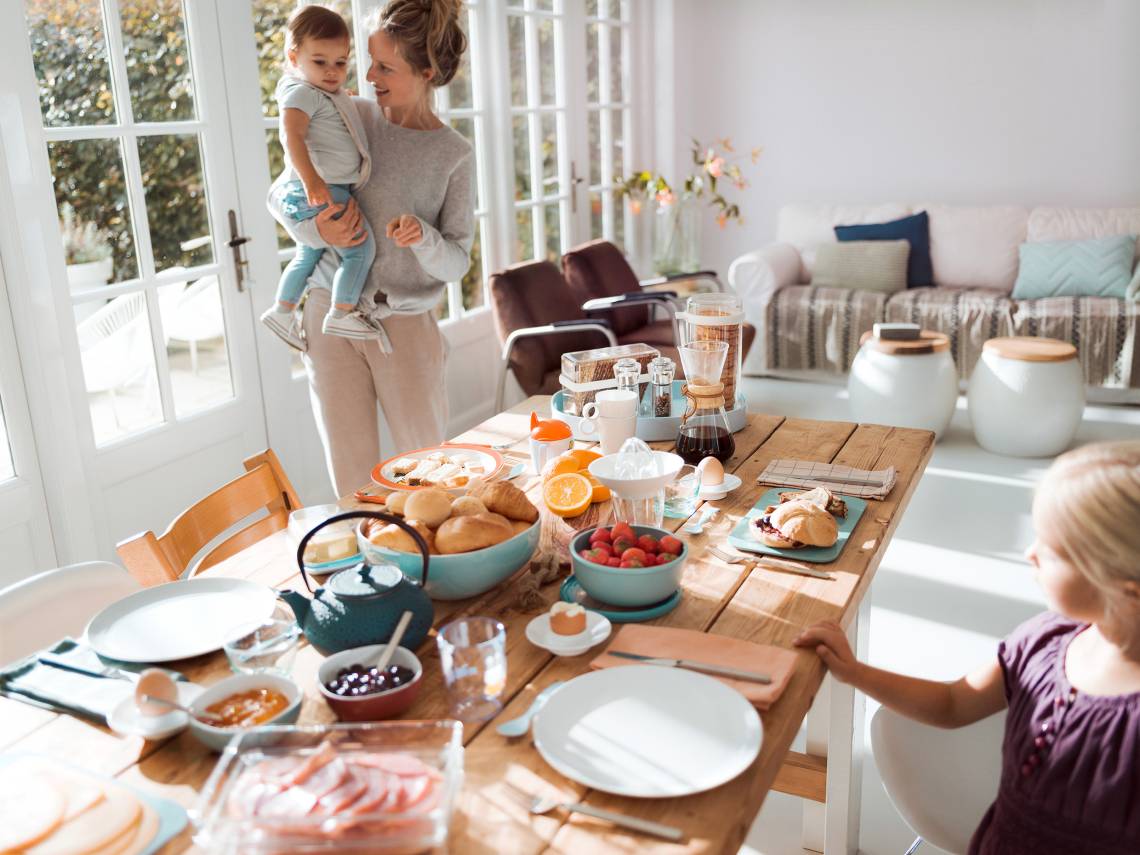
x=597, y=556
x=603, y=547
x=634, y=554
x=622, y=529
x=665, y=557
x=671, y=545
x=648, y=542
x=622, y=543
x=600, y=535
x=625, y=563
x=614, y=562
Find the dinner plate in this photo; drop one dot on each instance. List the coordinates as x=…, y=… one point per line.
x=485, y=458
x=648, y=731
x=177, y=620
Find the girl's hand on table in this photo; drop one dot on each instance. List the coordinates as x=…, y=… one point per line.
x=341, y=226
x=405, y=230
x=830, y=643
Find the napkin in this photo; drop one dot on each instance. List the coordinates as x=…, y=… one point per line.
x=671, y=643
x=839, y=479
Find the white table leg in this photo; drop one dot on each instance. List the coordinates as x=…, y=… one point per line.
x=835, y=729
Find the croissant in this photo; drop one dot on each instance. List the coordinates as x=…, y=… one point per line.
x=510, y=501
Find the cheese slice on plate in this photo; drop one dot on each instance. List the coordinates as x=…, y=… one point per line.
x=136, y=839
x=31, y=807
x=95, y=827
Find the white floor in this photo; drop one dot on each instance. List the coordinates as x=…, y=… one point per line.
x=951, y=585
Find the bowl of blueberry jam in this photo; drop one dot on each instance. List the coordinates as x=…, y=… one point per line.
x=357, y=691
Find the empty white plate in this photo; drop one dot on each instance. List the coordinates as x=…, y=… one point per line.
x=177, y=620
x=539, y=633
x=648, y=731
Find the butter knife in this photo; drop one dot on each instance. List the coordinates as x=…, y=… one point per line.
x=703, y=667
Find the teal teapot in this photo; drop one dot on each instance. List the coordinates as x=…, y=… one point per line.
x=362, y=604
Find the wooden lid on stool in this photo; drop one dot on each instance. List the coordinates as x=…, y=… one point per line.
x=927, y=342
x=1025, y=348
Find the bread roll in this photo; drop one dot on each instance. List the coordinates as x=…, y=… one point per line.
x=796, y=524
x=468, y=533
x=508, y=500
x=392, y=536
x=519, y=526
x=396, y=500
x=431, y=506
x=465, y=506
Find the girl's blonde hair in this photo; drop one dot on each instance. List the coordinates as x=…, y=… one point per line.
x=314, y=22
x=428, y=34
x=1090, y=502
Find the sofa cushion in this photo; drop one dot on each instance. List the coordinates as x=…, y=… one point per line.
x=1081, y=223
x=598, y=269
x=818, y=329
x=807, y=226
x=913, y=229
x=976, y=247
x=969, y=316
x=869, y=265
x=1103, y=329
x=1095, y=267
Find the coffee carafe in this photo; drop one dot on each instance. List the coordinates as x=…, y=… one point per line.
x=704, y=430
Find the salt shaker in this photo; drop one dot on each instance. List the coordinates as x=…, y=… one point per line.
x=661, y=371
x=627, y=372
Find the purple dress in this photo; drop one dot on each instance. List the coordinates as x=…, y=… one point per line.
x=1070, y=778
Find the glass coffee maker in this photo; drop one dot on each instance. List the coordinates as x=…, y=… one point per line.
x=704, y=430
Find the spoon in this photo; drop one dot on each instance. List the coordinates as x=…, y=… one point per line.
x=390, y=649
x=207, y=717
x=519, y=726
x=698, y=526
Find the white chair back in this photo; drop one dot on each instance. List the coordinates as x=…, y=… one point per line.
x=44, y=608
x=940, y=781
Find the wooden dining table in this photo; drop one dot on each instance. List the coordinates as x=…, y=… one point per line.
x=743, y=601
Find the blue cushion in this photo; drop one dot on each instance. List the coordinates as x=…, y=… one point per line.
x=1098, y=267
x=914, y=229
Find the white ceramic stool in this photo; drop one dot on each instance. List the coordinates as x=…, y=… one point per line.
x=1026, y=396
x=910, y=384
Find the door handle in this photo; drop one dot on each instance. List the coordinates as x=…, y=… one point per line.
x=574, y=182
x=235, y=244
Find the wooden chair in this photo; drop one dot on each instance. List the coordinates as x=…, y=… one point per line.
x=154, y=560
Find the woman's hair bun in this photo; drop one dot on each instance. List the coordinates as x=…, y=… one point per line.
x=428, y=33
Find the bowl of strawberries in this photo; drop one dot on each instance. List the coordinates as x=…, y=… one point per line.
x=628, y=565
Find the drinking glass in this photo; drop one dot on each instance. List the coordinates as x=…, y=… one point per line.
x=681, y=493
x=264, y=646
x=473, y=654
x=640, y=511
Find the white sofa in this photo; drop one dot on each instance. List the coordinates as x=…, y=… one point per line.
x=806, y=332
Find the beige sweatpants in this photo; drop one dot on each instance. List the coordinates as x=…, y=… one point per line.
x=348, y=377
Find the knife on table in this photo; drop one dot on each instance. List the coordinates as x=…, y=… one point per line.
x=703, y=667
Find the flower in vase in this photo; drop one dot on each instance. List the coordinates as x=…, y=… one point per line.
x=665, y=197
x=715, y=166
x=722, y=220
x=635, y=206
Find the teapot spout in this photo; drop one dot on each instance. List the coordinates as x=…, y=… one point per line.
x=299, y=603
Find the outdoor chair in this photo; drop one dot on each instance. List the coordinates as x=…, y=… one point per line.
x=153, y=560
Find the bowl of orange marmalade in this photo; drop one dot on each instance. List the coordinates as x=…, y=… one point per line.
x=242, y=703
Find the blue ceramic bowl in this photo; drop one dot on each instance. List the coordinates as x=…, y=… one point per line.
x=627, y=586
x=459, y=576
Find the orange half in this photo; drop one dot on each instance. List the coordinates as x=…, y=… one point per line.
x=568, y=494
x=585, y=456
x=601, y=491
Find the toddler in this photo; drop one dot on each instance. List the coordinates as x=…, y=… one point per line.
x=1070, y=780
x=326, y=157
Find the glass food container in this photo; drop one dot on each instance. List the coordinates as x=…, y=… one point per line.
x=586, y=372
x=717, y=317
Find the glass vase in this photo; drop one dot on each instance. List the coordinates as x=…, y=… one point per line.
x=677, y=236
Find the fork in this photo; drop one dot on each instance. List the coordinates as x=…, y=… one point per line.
x=544, y=804
x=770, y=563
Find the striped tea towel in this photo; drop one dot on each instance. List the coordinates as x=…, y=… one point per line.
x=864, y=483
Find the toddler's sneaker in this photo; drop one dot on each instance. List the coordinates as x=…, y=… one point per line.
x=349, y=325
x=284, y=325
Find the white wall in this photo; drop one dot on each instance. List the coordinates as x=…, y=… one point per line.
x=963, y=101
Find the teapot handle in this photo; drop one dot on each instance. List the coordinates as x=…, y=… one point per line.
x=376, y=515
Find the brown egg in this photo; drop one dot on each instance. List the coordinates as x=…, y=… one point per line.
x=711, y=471
x=155, y=683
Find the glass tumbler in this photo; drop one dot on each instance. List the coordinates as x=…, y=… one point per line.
x=681, y=493
x=473, y=653
x=264, y=646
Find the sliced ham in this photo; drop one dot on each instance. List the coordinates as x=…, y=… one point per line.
x=292, y=802
x=351, y=788
x=325, y=779
x=373, y=795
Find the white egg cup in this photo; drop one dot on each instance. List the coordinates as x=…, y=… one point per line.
x=539, y=633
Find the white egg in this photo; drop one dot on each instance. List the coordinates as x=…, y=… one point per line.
x=155, y=683
x=711, y=472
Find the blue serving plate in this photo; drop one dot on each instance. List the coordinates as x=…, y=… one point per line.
x=742, y=540
x=573, y=592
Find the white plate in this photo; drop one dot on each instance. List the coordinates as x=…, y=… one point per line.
x=719, y=491
x=125, y=719
x=486, y=459
x=539, y=633
x=648, y=731
x=177, y=620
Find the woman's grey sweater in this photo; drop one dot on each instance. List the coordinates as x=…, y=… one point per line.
x=429, y=174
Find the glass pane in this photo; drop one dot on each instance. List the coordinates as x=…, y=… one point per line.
x=516, y=39
x=594, y=129
x=118, y=365
x=618, y=146
x=69, y=51
x=276, y=165
x=546, y=67
x=196, y=344
x=460, y=87
x=467, y=128
x=442, y=310
x=619, y=221
x=524, y=235
x=553, y=233
x=176, y=200
x=596, y=215
x=158, y=61
x=593, y=73
x=95, y=217
x=472, y=284
x=269, y=17
x=522, y=156
x=549, y=154
x=344, y=9
x=7, y=468
x=617, y=67
x=544, y=5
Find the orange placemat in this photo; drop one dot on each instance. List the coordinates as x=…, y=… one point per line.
x=670, y=643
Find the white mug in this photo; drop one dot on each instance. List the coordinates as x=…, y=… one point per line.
x=611, y=403
x=612, y=432
x=543, y=450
